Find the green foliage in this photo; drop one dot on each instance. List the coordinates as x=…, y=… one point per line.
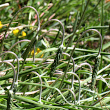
x=48, y=57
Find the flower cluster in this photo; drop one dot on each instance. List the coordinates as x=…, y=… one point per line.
x=16, y=31
x=38, y=51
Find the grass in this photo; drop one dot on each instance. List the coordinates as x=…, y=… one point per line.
x=54, y=55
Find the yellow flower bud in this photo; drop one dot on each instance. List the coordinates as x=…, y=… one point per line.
x=0, y=25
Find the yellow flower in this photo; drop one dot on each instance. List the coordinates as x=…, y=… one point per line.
x=32, y=52
x=23, y=34
x=38, y=51
x=41, y=55
x=15, y=32
x=1, y=25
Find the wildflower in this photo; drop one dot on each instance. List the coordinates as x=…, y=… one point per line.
x=23, y=34
x=1, y=25
x=41, y=55
x=15, y=32
x=32, y=52
x=38, y=51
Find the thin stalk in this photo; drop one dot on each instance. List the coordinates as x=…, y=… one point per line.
x=101, y=98
x=74, y=50
x=82, y=8
x=102, y=23
x=83, y=13
x=98, y=27
x=25, y=40
x=10, y=90
x=54, y=88
x=40, y=86
x=74, y=31
x=78, y=102
x=16, y=79
x=91, y=11
x=82, y=16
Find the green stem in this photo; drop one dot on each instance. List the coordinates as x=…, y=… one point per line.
x=88, y=16
x=102, y=23
x=79, y=24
